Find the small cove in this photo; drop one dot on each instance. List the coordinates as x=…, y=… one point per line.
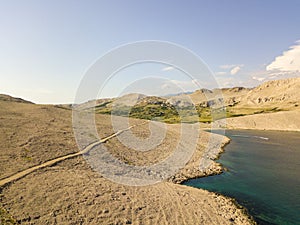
x=263, y=174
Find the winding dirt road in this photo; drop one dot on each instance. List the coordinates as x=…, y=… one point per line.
x=25, y=172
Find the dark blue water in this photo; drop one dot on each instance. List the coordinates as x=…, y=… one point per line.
x=263, y=176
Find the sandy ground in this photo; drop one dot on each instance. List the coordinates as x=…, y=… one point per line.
x=284, y=121
x=71, y=192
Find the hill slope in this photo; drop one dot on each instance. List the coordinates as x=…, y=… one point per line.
x=278, y=93
x=208, y=105
x=12, y=99
x=71, y=192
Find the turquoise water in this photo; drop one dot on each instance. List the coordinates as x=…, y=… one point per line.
x=263, y=176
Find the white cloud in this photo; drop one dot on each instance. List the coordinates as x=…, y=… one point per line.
x=235, y=70
x=221, y=73
x=168, y=68
x=288, y=61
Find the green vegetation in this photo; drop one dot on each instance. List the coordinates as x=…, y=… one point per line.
x=6, y=218
x=158, y=112
x=164, y=112
x=237, y=111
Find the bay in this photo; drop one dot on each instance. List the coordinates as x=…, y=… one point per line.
x=263, y=174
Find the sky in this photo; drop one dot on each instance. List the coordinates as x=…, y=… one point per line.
x=47, y=47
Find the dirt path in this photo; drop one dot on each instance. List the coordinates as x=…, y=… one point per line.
x=59, y=159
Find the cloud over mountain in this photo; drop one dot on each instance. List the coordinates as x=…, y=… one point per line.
x=289, y=61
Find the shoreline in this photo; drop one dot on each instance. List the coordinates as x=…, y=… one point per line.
x=217, y=169
x=214, y=168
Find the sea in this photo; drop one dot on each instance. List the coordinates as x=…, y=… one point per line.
x=263, y=175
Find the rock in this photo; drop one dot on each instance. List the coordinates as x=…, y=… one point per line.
x=105, y=211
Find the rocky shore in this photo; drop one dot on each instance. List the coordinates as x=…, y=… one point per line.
x=203, y=165
x=203, y=162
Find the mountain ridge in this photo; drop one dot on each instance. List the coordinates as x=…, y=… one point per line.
x=202, y=105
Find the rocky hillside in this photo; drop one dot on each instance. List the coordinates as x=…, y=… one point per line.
x=277, y=93
x=207, y=105
x=139, y=106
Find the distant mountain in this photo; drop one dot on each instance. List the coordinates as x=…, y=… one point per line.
x=180, y=93
x=278, y=93
x=226, y=96
x=202, y=105
x=129, y=99
x=271, y=96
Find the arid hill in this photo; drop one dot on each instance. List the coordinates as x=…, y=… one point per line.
x=208, y=105
x=71, y=192
x=283, y=94
x=12, y=99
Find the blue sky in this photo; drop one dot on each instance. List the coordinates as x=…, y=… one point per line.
x=47, y=46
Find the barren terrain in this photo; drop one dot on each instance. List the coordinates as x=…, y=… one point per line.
x=46, y=179
x=70, y=192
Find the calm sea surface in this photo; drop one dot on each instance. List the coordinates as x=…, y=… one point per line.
x=263, y=176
